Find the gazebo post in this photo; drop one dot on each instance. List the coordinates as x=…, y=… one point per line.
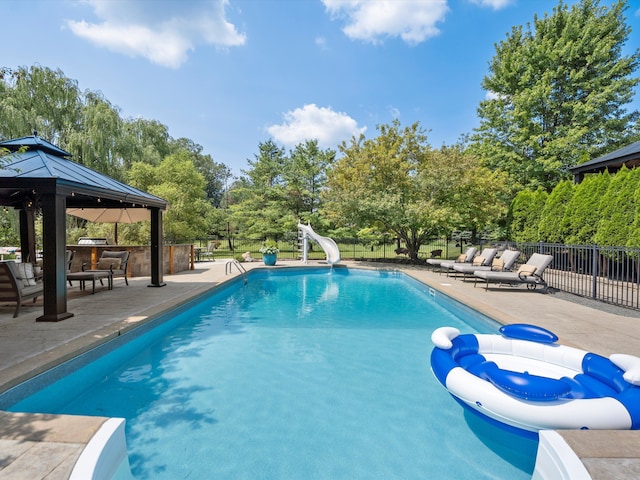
x=54, y=269
x=27, y=235
x=156, y=248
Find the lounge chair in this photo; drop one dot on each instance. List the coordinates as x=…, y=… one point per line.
x=502, y=264
x=529, y=274
x=466, y=257
x=113, y=262
x=484, y=259
x=15, y=288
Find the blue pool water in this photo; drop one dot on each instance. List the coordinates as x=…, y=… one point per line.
x=300, y=374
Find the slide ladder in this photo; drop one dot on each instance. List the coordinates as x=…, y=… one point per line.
x=305, y=232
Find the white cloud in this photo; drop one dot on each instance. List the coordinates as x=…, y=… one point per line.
x=414, y=21
x=164, y=34
x=315, y=123
x=491, y=95
x=321, y=42
x=495, y=4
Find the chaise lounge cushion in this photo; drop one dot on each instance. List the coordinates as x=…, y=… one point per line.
x=530, y=274
x=504, y=262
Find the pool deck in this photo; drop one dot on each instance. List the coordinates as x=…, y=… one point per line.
x=47, y=446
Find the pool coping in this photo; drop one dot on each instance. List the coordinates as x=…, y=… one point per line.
x=593, y=449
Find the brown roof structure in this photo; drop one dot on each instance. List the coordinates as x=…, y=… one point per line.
x=611, y=162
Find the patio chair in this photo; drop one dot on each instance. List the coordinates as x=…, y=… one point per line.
x=529, y=274
x=69, y=254
x=504, y=263
x=113, y=262
x=465, y=257
x=484, y=259
x=17, y=286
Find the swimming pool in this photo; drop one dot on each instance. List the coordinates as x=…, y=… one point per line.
x=301, y=373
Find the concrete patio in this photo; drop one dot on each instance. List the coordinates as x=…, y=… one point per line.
x=47, y=446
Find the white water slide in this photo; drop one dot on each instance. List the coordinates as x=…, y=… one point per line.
x=327, y=244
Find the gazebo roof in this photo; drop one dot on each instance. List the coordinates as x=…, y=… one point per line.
x=43, y=162
x=629, y=156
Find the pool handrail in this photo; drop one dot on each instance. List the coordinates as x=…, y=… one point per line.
x=228, y=267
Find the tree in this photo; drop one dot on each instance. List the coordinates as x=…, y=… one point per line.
x=558, y=91
x=551, y=227
x=305, y=176
x=261, y=195
x=177, y=181
x=583, y=211
x=397, y=184
x=215, y=174
x=525, y=212
x=39, y=99
x=97, y=143
x=618, y=208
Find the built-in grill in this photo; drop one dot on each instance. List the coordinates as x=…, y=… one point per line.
x=92, y=241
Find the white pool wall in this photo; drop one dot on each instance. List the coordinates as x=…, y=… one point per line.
x=105, y=456
x=556, y=460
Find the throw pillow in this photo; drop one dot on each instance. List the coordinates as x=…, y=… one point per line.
x=25, y=273
x=462, y=258
x=527, y=270
x=108, y=263
x=497, y=264
x=478, y=261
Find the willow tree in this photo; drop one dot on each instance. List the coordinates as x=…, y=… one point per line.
x=39, y=99
x=557, y=92
x=398, y=184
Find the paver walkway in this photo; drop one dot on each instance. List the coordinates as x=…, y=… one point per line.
x=29, y=348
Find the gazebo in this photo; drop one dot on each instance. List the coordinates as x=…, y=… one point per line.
x=38, y=176
x=612, y=162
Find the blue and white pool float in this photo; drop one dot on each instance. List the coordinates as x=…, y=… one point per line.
x=524, y=380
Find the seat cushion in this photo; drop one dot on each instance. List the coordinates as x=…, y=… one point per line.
x=109, y=263
x=31, y=289
x=24, y=272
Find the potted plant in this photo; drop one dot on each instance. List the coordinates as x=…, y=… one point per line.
x=269, y=253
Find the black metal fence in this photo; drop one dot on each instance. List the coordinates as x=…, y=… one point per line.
x=350, y=248
x=606, y=274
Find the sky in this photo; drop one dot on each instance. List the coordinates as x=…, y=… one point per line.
x=230, y=74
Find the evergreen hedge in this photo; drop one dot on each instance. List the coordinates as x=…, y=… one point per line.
x=603, y=209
